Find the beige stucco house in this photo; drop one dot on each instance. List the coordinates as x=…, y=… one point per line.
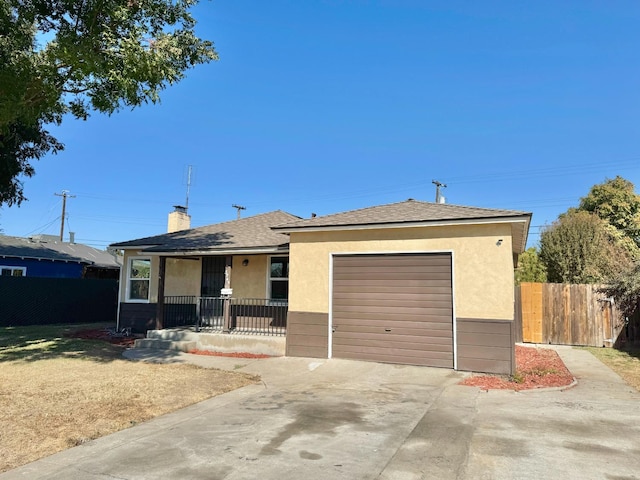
x=410, y=282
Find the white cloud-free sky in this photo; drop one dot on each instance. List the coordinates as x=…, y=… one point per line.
x=326, y=106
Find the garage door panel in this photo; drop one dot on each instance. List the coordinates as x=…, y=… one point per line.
x=394, y=260
x=412, y=341
x=440, y=329
x=397, y=302
x=388, y=321
x=371, y=282
x=388, y=275
x=395, y=311
x=400, y=295
x=391, y=289
x=363, y=270
x=419, y=357
x=393, y=308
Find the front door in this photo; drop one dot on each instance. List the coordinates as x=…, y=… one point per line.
x=212, y=281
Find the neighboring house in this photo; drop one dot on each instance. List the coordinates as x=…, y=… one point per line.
x=411, y=282
x=47, y=256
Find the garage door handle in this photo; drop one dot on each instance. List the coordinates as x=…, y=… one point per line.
x=387, y=329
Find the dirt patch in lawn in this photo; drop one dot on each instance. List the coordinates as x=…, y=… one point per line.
x=104, y=335
x=57, y=391
x=535, y=368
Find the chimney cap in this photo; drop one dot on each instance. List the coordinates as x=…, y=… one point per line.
x=180, y=208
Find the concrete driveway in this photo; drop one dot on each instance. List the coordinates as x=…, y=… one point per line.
x=339, y=419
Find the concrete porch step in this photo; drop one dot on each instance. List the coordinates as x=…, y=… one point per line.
x=160, y=344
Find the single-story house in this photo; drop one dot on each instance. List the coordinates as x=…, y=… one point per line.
x=410, y=282
x=47, y=256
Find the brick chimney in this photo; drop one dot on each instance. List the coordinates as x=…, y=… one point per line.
x=179, y=219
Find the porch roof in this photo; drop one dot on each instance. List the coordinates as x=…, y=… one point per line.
x=246, y=234
x=412, y=213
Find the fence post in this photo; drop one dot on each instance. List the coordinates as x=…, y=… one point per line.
x=160, y=304
x=198, y=303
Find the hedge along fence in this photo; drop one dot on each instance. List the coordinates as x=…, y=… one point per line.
x=563, y=314
x=44, y=301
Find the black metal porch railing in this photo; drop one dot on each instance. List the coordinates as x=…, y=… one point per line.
x=257, y=316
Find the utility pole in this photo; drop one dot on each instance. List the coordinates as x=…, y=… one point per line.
x=64, y=195
x=239, y=208
x=438, y=185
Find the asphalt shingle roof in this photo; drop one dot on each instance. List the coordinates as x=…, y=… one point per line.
x=409, y=211
x=244, y=233
x=36, y=248
x=414, y=212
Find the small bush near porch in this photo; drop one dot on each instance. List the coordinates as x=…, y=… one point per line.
x=57, y=392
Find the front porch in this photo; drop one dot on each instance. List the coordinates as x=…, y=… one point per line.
x=248, y=316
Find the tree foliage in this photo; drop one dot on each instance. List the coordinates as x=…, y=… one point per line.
x=580, y=247
x=625, y=289
x=615, y=201
x=530, y=267
x=60, y=57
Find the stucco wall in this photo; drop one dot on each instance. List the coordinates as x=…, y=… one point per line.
x=249, y=281
x=183, y=276
x=482, y=270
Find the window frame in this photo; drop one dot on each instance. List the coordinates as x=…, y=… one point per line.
x=13, y=268
x=129, y=279
x=270, y=280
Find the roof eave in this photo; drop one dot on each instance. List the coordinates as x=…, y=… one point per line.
x=227, y=251
x=425, y=223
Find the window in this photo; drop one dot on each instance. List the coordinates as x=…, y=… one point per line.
x=279, y=278
x=13, y=271
x=139, y=277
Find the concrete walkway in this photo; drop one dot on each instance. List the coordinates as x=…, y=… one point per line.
x=339, y=419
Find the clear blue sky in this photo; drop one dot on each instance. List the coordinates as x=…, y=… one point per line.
x=327, y=106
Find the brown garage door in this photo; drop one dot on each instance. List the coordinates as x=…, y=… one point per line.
x=393, y=308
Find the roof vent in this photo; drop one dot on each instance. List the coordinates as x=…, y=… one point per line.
x=441, y=199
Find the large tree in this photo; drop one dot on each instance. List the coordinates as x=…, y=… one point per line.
x=60, y=57
x=615, y=201
x=580, y=247
x=530, y=267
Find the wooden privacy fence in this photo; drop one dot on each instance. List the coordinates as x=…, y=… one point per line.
x=562, y=314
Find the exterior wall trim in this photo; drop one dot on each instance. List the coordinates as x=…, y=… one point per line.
x=210, y=253
x=393, y=252
x=433, y=223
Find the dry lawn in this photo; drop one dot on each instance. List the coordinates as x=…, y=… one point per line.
x=625, y=363
x=58, y=392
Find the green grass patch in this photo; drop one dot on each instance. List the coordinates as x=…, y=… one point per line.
x=625, y=362
x=33, y=343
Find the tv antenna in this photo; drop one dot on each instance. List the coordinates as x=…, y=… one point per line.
x=189, y=173
x=439, y=196
x=239, y=208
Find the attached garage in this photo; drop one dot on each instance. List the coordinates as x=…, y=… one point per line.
x=377, y=284
x=395, y=308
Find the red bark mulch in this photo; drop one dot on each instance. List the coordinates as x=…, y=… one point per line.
x=535, y=368
x=102, y=334
x=229, y=354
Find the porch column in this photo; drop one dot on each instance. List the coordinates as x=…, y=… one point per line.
x=227, y=299
x=160, y=303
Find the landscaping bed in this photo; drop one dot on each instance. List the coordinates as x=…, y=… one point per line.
x=535, y=368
